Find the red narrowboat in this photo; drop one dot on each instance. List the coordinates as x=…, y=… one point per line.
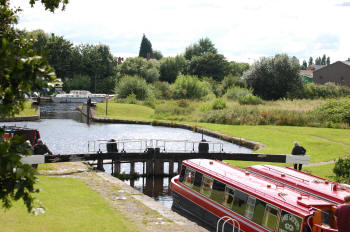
x=29, y=134
x=307, y=183
x=231, y=199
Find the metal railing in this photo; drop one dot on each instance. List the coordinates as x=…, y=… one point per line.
x=226, y=219
x=141, y=145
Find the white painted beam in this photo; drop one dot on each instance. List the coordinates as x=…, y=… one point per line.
x=297, y=159
x=33, y=159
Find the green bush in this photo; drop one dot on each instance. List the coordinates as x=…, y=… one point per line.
x=335, y=111
x=81, y=82
x=171, y=109
x=131, y=99
x=250, y=100
x=218, y=104
x=189, y=87
x=315, y=91
x=235, y=92
x=132, y=85
x=342, y=169
x=161, y=90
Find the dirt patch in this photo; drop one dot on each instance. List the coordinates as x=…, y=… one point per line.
x=141, y=210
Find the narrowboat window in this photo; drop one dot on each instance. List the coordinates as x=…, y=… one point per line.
x=326, y=217
x=182, y=174
x=240, y=202
x=197, y=181
x=218, y=192
x=270, y=217
x=229, y=195
x=259, y=211
x=206, y=185
x=189, y=177
x=250, y=207
x=290, y=222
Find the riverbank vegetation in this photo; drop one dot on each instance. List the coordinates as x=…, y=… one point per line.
x=28, y=110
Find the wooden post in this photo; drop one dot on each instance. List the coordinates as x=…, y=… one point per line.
x=117, y=167
x=149, y=167
x=132, y=168
x=158, y=167
x=171, y=167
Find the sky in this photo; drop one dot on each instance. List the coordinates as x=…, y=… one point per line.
x=242, y=30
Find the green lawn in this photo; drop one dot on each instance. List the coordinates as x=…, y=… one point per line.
x=125, y=111
x=70, y=206
x=27, y=111
x=322, y=144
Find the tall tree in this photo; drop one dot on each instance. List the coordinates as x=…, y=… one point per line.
x=328, y=60
x=304, y=65
x=203, y=46
x=273, y=78
x=323, y=60
x=209, y=65
x=145, y=47
x=20, y=69
x=311, y=61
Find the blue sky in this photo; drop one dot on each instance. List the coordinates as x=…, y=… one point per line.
x=242, y=30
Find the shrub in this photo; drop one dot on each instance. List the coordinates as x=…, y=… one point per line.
x=131, y=99
x=342, y=169
x=138, y=66
x=77, y=82
x=218, y=104
x=236, y=92
x=183, y=103
x=314, y=91
x=161, y=90
x=132, y=85
x=336, y=111
x=250, y=100
x=189, y=87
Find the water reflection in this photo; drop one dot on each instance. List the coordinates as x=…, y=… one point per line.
x=69, y=135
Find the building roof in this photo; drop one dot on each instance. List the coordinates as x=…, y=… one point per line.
x=346, y=62
x=315, y=67
x=306, y=73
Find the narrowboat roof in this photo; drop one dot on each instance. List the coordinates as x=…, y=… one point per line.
x=316, y=185
x=278, y=194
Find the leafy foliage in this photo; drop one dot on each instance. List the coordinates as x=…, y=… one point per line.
x=132, y=85
x=203, y=46
x=209, y=65
x=237, y=69
x=314, y=91
x=250, y=99
x=237, y=92
x=218, y=104
x=342, y=169
x=189, y=87
x=20, y=69
x=273, y=78
x=336, y=111
x=172, y=67
x=138, y=66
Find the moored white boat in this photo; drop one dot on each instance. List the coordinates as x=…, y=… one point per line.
x=78, y=96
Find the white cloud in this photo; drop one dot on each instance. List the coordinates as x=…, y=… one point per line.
x=241, y=30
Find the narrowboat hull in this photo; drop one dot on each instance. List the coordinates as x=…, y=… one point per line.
x=207, y=211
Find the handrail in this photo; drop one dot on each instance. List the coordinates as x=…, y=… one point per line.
x=226, y=219
x=270, y=168
x=163, y=144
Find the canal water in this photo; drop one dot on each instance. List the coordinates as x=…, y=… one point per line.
x=62, y=129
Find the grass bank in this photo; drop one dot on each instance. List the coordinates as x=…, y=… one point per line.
x=27, y=111
x=70, y=206
x=322, y=144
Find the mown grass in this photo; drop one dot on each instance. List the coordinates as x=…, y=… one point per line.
x=322, y=144
x=125, y=111
x=70, y=206
x=27, y=111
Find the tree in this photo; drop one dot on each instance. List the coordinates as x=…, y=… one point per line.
x=137, y=66
x=323, y=59
x=145, y=48
x=237, y=69
x=273, y=78
x=157, y=55
x=171, y=68
x=20, y=69
x=311, y=61
x=328, y=60
x=304, y=65
x=203, y=46
x=209, y=65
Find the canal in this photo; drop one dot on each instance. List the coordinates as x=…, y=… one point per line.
x=62, y=129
